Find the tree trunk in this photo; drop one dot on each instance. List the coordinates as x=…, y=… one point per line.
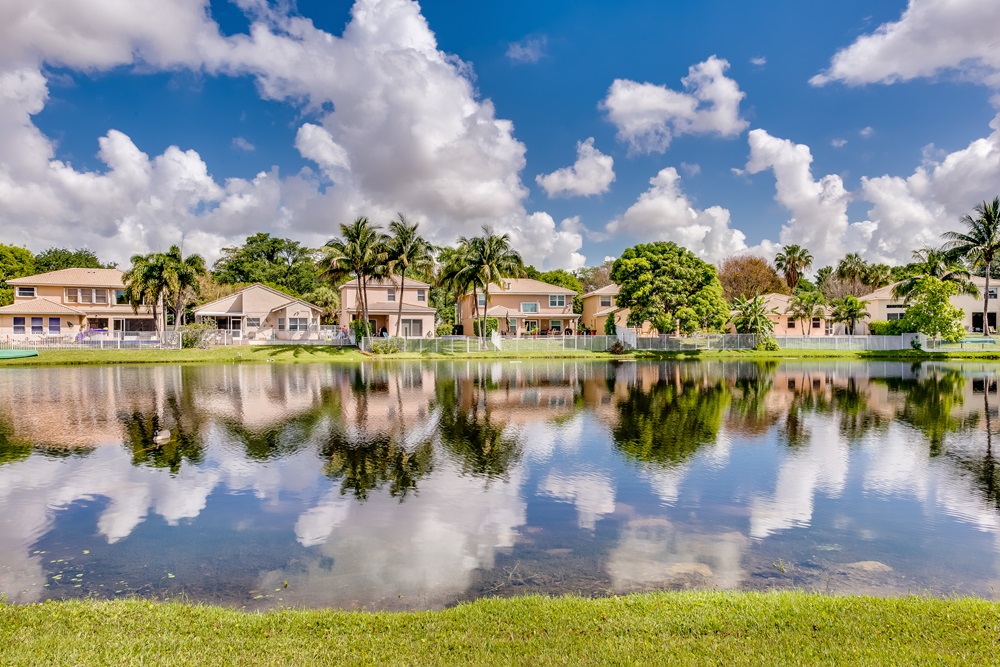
x=177, y=309
x=475, y=306
x=364, y=306
x=361, y=304
x=986, y=302
x=399, y=314
x=486, y=308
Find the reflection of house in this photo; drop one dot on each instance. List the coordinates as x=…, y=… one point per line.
x=521, y=306
x=883, y=307
x=603, y=303
x=384, y=300
x=259, y=312
x=64, y=302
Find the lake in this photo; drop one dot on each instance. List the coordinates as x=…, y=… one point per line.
x=418, y=486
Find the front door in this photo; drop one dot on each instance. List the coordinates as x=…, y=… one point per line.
x=235, y=326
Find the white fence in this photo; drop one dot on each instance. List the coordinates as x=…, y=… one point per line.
x=468, y=344
x=324, y=336
x=851, y=343
x=699, y=342
x=89, y=340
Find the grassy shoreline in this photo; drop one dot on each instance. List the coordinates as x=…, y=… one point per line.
x=658, y=628
x=329, y=354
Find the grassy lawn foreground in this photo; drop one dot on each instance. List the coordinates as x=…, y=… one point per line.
x=661, y=628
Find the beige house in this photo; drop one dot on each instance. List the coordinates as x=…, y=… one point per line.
x=384, y=300
x=522, y=306
x=787, y=325
x=259, y=312
x=601, y=304
x=72, y=302
x=883, y=307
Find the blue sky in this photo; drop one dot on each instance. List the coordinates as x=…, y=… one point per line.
x=847, y=127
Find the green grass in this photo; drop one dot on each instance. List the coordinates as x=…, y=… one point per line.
x=707, y=628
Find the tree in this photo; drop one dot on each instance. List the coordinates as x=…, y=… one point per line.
x=55, y=259
x=182, y=275
x=852, y=269
x=877, y=275
x=359, y=251
x=406, y=250
x=804, y=306
x=146, y=282
x=930, y=311
x=327, y=297
x=15, y=262
x=792, y=261
x=491, y=259
x=936, y=263
x=269, y=260
x=748, y=275
x=979, y=244
x=848, y=311
x=594, y=277
x=751, y=316
x=664, y=283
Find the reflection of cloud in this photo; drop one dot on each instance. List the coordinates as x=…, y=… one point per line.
x=819, y=466
x=653, y=551
x=591, y=492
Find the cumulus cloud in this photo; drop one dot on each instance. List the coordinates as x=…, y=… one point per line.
x=591, y=174
x=527, y=51
x=663, y=212
x=867, y=132
x=395, y=125
x=649, y=116
x=932, y=36
x=546, y=245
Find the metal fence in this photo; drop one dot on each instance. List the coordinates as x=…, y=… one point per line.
x=468, y=344
x=852, y=343
x=324, y=336
x=700, y=342
x=89, y=340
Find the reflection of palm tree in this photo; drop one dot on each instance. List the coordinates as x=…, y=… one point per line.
x=857, y=418
x=367, y=464
x=11, y=448
x=754, y=384
x=930, y=403
x=140, y=428
x=470, y=435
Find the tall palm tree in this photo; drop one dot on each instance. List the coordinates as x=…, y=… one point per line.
x=455, y=275
x=146, y=282
x=848, y=311
x=936, y=263
x=360, y=250
x=407, y=250
x=877, y=275
x=979, y=245
x=804, y=306
x=793, y=260
x=853, y=269
x=491, y=259
x=182, y=276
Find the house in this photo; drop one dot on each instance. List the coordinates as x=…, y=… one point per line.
x=603, y=303
x=259, y=312
x=787, y=325
x=883, y=307
x=384, y=300
x=70, y=301
x=521, y=306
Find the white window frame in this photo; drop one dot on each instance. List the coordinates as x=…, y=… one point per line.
x=531, y=325
x=252, y=322
x=557, y=301
x=481, y=299
x=298, y=324
x=606, y=302
x=817, y=323
x=791, y=322
x=94, y=295
x=556, y=326
x=993, y=293
x=26, y=292
x=55, y=325
x=19, y=328
x=120, y=299
x=390, y=294
x=422, y=295
x=281, y=324
x=530, y=307
x=37, y=325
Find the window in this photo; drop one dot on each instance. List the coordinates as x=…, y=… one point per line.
x=817, y=323
x=791, y=322
x=100, y=296
x=557, y=301
x=391, y=294
x=895, y=306
x=892, y=317
x=421, y=295
x=281, y=324
x=29, y=292
x=37, y=325
x=298, y=323
x=512, y=324
x=412, y=328
x=605, y=302
x=993, y=293
x=120, y=297
x=531, y=325
x=19, y=325
x=253, y=323
x=555, y=326
x=529, y=307
x=54, y=325
x=482, y=300
x=89, y=295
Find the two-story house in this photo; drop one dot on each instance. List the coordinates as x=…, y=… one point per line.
x=883, y=307
x=385, y=296
x=601, y=304
x=71, y=301
x=521, y=306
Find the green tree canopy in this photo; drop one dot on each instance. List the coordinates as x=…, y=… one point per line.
x=750, y=316
x=848, y=311
x=55, y=259
x=15, y=262
x=266, y=259
x=931, y=312
x=665, y=283
x=979, y=245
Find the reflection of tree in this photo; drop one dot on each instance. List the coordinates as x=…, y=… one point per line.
x=139, y=431
x=807, y=400
x=753, y=384
x=984, y=471
x=11, y=449
x=930, y=403
x=857, y=418
x=470, y=434
x=368, y=464
x=668, y=423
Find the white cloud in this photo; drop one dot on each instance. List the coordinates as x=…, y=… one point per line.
x=591, y=174
x=838, y=143
x=649, y=116
x=527, y=51
x=663, y=212
x=545, y=245
x=242, y=144
x=691, y=169
x=758, y=61
x=932, y=36
x=866, y=132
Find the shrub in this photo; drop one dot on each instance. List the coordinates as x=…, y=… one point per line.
x=766, y=344
x=893, y=328
x=197, y=335
x=492, y=324
x=618, y=348
x=609, y=325
x=359, y=330
x=385, y=346
x=444, y=329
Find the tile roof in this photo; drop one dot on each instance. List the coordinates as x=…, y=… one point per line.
x=608, y=290
x=75, y=278
x=39, y=306
x=203, y=308
x=386, y=282
x=525, y=286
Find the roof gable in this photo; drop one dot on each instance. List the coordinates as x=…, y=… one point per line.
x=74, y=278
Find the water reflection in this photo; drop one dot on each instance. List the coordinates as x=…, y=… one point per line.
x=413, y=486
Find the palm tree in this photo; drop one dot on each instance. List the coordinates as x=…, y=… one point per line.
x=877, y=275
x=848, y=311
x=979, y=245
x=805, y=306
x=407, y=250
x=936, y=263
x=852, y=268
x=751, y=316
x=491, y=259
x=360, y=250
x=454, y=275
x=182, y=275
x=793, y=260
x=146, y=282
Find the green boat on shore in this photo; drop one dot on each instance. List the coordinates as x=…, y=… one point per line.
x=17, y=354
